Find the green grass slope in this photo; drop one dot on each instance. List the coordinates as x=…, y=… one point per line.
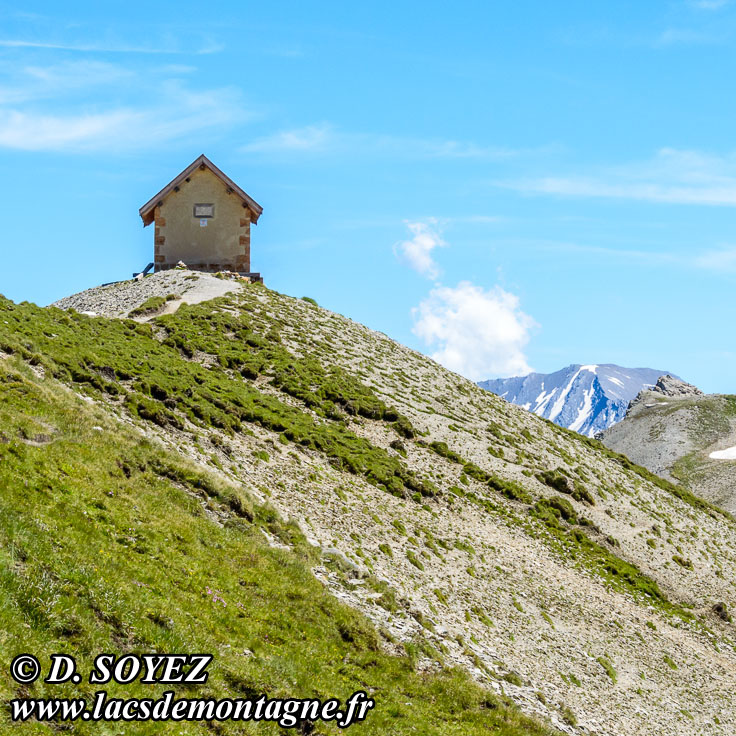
x=161, y=382
x=110, y=544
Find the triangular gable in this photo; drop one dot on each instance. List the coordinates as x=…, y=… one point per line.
x=147, y=211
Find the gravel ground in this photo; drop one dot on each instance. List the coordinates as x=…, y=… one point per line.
x=117, y=300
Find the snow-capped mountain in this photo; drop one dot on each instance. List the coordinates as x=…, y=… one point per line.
x=585, y=398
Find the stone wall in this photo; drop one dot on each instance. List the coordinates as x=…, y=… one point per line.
x=222, y=243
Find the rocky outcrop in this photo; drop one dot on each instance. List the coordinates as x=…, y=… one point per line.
x=667, y=385
x=671, y=386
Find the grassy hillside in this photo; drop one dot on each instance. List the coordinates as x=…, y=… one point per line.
x=109, y=543
x=458, y=532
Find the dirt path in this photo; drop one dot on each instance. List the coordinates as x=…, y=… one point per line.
x=117, y=300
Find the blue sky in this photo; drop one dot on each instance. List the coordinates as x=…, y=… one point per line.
x=503, y=185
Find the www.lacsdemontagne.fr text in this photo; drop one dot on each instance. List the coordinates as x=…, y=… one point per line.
x=286, y=712
x=164, y=669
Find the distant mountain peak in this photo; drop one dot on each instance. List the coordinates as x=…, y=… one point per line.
x=585, y=398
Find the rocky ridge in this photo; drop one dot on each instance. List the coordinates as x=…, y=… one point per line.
x=667, y=385
x=670, y=386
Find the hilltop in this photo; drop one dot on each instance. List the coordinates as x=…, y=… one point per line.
x=682, y=434
x=367, y=516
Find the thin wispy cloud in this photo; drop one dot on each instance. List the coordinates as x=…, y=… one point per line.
x=671, y=177
x=325, y=138
x=178, y=69
x=53, y=132
x=205, y=48
x=83, y=47
x=417, y=251
x=285, y=51
x=704, y=25
x=35, y=83
x=462, y=149
x=694, y=22
x=478, y=219
x=709, y=4
x=720, y=260
x=629, y=255
x=311, y=138
x=114, y=130
x=690, y=36
x=653, y=192
x=76, y=106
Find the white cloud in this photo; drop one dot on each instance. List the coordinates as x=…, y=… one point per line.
x=417, y=252
x=671, y=176
x=477, y=333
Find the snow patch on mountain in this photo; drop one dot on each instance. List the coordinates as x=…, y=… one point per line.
x=727, y=454
x=584, y=398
